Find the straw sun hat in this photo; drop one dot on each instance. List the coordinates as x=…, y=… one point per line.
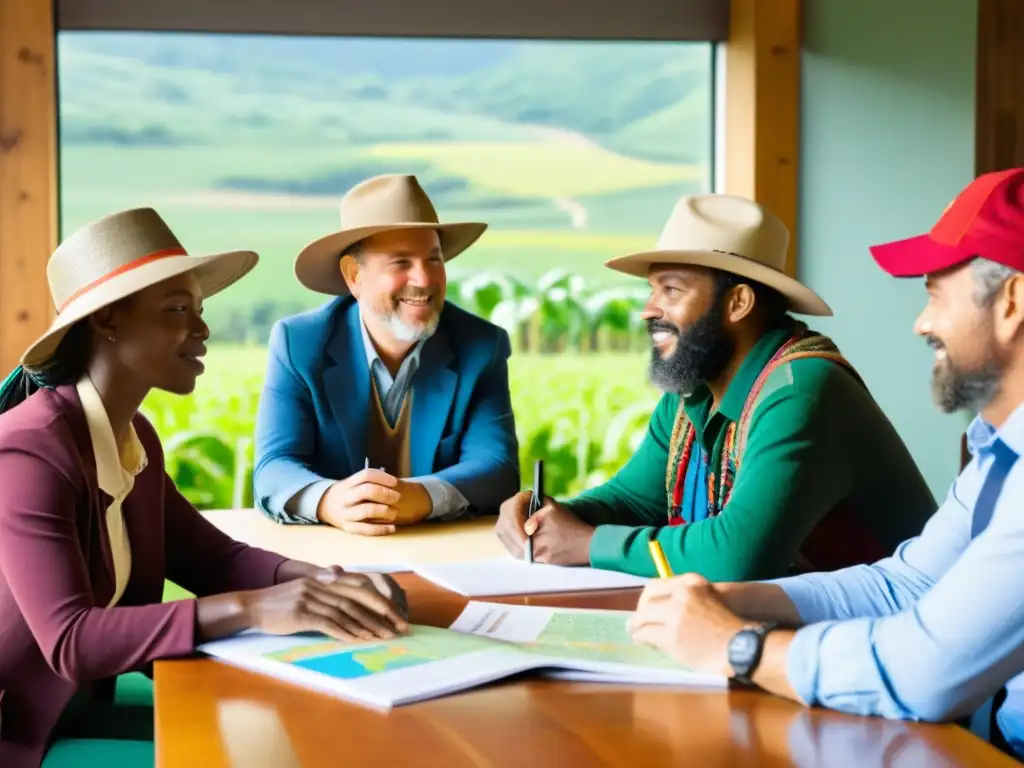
x=379, y=204
x=116, y=256
x=731, y=234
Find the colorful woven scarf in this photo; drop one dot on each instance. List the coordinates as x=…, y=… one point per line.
x=802, y=344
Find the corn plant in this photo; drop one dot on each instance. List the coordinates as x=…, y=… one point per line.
x=557, y=314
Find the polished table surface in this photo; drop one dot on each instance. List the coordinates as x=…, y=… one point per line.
x=213, y=715
x=322, y=545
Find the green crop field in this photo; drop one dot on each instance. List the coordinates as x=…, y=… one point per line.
x=552, y=168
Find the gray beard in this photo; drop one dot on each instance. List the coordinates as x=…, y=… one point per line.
x=401, y=330
x=955, y=390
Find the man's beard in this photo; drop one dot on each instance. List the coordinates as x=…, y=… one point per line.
x=954, y=388
x=390, y=315
x=701, y=354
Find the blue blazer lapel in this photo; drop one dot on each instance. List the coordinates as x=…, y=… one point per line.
x=347, y=381
x=433, y=392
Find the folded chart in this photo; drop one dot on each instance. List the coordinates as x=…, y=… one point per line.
x=487, y=642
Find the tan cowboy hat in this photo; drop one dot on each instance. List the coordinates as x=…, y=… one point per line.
x=732, y=234
x=116, y=256
x=379, y=204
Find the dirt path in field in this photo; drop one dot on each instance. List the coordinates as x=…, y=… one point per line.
x=578, y=213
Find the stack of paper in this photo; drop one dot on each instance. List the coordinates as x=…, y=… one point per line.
x=487, y=642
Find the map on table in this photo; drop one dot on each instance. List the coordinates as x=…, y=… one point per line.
x=597, y=637
x=487, y=642
x=565, y=635
x=422, y=645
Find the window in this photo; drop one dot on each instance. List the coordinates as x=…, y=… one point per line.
x=573, y=151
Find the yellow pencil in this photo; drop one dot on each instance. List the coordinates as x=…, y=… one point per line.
x=660, y=562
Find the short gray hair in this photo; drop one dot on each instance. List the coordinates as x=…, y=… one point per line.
x=989, y=277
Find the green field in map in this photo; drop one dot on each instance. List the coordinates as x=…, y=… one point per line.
x=576, y=635
x=421, y=646
x=596, y=637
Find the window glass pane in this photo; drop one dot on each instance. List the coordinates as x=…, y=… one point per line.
x=573, y=152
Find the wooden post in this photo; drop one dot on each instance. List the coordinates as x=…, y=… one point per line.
x=999, y=104
x=28, y=172
x=762, y=108
x=999, y=97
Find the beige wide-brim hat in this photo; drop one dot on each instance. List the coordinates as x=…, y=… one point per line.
x=116, y=256
x=732, y=234
x=380, y=204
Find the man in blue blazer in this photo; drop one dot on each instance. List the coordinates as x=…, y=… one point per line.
x=387, y=405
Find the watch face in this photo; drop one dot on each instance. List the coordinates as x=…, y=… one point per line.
x=742, y=650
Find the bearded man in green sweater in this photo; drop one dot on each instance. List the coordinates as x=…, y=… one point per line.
x=766, y=455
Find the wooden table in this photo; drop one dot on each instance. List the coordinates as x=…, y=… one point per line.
x=323, y=545
x=213, y=715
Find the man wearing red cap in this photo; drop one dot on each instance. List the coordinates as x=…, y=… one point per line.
x=937, y=629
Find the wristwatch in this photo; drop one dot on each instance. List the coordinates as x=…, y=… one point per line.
x=745, y=650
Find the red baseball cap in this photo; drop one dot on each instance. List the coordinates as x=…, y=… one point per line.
x=986, y=219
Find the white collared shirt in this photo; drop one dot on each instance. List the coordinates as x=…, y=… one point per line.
x=116, y=468
x=937, y=628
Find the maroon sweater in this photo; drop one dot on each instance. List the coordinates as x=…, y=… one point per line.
x=56, y=572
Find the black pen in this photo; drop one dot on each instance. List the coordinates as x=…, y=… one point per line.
x=536, y=502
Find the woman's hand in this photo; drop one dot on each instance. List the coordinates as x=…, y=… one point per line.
x=391, y=589
x=350, y=607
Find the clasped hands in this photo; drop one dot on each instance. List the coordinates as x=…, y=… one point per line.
x=373, y=502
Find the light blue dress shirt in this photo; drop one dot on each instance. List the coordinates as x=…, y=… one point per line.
x=446, y=500
x=935, y=630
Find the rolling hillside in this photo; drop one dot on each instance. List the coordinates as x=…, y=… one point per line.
x=573, y=152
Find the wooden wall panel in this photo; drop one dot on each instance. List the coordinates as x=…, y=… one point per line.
x=28, y=173
x=999, y=111
x=762, y=108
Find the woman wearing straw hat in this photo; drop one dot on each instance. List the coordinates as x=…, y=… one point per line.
x=90, y=523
